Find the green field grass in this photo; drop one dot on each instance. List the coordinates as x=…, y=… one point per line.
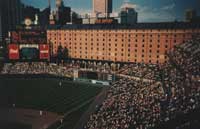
x=70, y=121
x=13, y=125
x=44, y=94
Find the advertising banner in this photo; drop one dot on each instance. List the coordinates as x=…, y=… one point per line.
x=13, y=51
x=44, y=51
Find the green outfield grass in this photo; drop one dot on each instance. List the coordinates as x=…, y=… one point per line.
x=13, y=125
x=44, y=94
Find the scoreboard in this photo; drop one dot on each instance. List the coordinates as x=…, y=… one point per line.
x=28, y=51
x=28, y=44
x=28, y=36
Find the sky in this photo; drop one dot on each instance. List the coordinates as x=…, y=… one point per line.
x=148, y=10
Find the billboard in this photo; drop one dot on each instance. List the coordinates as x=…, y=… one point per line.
x=13, y=51
x=44, y=51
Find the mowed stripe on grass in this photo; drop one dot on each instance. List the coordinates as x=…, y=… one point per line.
x=44, y=94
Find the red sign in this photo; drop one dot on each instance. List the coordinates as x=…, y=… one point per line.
x=13, y=52
x=105, y=21
x=44, y=51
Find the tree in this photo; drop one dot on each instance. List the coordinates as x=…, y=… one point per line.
x=59, y=53
x=65, y=53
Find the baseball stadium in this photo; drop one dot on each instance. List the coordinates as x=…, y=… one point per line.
x=99, y=64
x=38, y=91
x=72, y=95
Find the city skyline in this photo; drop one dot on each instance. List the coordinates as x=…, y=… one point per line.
x=148, y=10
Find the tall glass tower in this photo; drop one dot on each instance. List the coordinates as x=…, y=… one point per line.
x=102, y=7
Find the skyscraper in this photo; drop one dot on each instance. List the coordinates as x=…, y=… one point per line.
x=29, y=12
x=102, y=8
x=63, y=14
x=10, y=16
x=128, y=15
x=190, y=14
x=59, y=3
x=44, y=15
x=0, y=24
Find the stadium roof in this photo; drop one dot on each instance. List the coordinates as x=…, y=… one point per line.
x=162, y=25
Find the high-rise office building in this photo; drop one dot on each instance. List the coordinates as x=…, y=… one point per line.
x=191, y=16
x=128, y=15
x=59, y=3
x=45, y=15
x=29, y=12
x=76, y=19
x=63, y=14
x=102, y=8
x=42, y=15
x=10, y=16
x=0, y=25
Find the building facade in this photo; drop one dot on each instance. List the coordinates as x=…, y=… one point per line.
x=142, y=42
x=102, y=8
x=10, y=13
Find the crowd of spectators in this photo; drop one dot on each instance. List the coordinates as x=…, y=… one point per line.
x=135, y=104
x=181, y=79
x=186, y=58
x=145, y=71
x=96, y=66
x=129, y=104
x=37, y=68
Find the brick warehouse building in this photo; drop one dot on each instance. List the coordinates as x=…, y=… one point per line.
x=142, y=42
